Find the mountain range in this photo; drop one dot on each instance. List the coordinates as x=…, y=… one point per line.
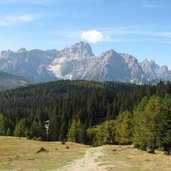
x=79, y=62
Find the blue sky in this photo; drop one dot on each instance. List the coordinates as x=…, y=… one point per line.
x=139, y=27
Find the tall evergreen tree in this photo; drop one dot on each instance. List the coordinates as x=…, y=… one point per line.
x=147, y=125
x=3, y=124
x=55, y=124
x=20, y=128
x=123, y=126
x=165, y=125
x=76, y=132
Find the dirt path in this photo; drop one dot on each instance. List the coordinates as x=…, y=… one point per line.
x=89, y=163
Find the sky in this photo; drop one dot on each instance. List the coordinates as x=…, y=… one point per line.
x=141, y=28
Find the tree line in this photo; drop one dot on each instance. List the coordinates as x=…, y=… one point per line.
x=90, y=112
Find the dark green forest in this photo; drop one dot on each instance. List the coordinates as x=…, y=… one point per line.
x=90, y=112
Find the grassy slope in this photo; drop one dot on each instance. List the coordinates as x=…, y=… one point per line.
x=127, y=158
x=21, y=154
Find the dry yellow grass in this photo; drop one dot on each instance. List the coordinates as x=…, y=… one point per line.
x=127, y=158
x=20, y=154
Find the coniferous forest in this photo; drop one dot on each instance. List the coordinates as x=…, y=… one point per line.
x=94, y=113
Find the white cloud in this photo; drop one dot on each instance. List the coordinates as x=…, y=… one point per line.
x=148, y=4
x=13, y=20
x=21, y=18
x=92, y=36
x=137, y=33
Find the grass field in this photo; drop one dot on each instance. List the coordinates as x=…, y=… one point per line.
x=20, y=154
x=127, y=158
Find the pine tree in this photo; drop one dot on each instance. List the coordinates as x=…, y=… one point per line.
x=76, y=132
x=123, y=128
x=102, y=135
x=55, y=124
x=3, y=125
x=139, y=125
x=146, y=129
x=165, y=125
x=20, y=128
x=37, y=130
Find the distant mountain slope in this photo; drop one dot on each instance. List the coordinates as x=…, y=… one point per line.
x=137, y=74
x=79, y=62
x=32, y=64
x=154, y=72
x=9, y=81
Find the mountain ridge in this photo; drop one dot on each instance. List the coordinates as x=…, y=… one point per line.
x=79, y=62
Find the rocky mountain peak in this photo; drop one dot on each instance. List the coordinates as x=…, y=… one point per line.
x=112, y=55
x=137, y=74
x=149, y=64
x=76, y=62
x=78, y=50
x=129, y=58
x=22, y=50
x=109, y=52
x=2, y=53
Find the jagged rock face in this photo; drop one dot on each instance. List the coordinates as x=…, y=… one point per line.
x=115, y=67
x=150, y=69
x=73, y=63
x=163, y=73
x=136, y=72
x=77, y=51
x=154, y=71
x=30, y=64
x=79, y=62
x=69, y=63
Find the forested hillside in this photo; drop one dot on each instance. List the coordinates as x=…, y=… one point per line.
x=9, y=81
x=90, y=112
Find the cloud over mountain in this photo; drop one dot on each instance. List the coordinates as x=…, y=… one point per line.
x=92, y=36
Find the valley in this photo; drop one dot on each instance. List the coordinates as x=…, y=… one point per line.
x=85, y=85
